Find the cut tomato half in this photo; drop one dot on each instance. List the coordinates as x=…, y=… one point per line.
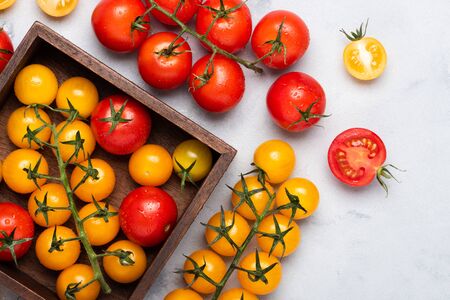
x=356, y=156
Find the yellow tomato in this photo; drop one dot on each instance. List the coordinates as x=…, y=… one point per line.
x=81, y=93
x=183, y=294
x=238, y=232
x=215, y=269
x=276, y=158
x=187, y=153
x=62, y=255
x=150, y=165
x=259, y=199
x=36, y=84
x=75, y=274
x=69, y=134
x=304, y=193
x=23, y=118
x=4, y=4
x=237, y=294
x=287, y=232
x=15, y=176
x=99, y=188
x=124, y=272
x=255, y=285
x=57, y=8
x=56, y=198
x=365, y=57
x=1, y=170
x=99, y=231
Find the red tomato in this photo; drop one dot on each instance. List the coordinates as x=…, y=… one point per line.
x=221, y=88
x=126, y=130
x=232, y=29
x=290, y=45
x=148, y=215
x=162, y=64
x=118, y=26
x=296, y=101
x=14, y=219
x=6, y=49
x=356, y=156
x=185, y=13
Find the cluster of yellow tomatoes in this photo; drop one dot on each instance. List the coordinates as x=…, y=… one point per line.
x=54, y=8
x=277, y=159
x=47, y=205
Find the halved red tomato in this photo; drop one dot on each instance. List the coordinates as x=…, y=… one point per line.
x=356, y=157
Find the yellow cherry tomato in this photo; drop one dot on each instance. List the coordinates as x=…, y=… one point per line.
x=78, y=273
x=304, y=194
x=100, y=187
x=275, y=229
x=215, y=269
x=57, y=8
x=183, y=294
x=259, y=199
x=23, y=118
x=55, y=197
x=99, y=231
x=258, y=286
x=238, y=232
x=121, y=271
x=69, y=134
x=150, y=165
x=16, y=177
x=186, y=154
x=59, y=255
x=4, y=4
x=81, y=93
x=237, y=294
x=276, y=158
x=364, y=57
x=36, y=84
x=1, y=170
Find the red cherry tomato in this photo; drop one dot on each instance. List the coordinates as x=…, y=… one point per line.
x=117, y=26
x=148, y=215
x=126, y=130
x=296, y=101
x=224, y=83
x=232, y=30
x=16, y=230
x=6, y=49
x=356, y=156
x=162, y=64
x=294, y=39
x=185, y=13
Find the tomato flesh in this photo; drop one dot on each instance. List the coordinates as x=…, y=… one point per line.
x=355, y=156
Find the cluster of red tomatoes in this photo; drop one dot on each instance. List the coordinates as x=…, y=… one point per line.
x=272, y=212
x=216, y=81
x=121, y=126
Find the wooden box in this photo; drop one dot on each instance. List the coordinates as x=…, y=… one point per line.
x=42, y=45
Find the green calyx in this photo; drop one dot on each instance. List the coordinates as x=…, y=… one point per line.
x=306, y=115
x=185, y=173
x=116, y=116
x=358, y=34
x=259, y=274
x=384, y=173
x=8, y=242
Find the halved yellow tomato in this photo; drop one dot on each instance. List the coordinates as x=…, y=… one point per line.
x=365, y=57
x=57, y=8
x=4, y=4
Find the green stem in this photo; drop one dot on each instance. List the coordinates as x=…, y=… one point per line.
x=248, y=64
x=243, y=247
x=92, y=256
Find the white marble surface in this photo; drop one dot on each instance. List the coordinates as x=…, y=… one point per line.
x=359, y=245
